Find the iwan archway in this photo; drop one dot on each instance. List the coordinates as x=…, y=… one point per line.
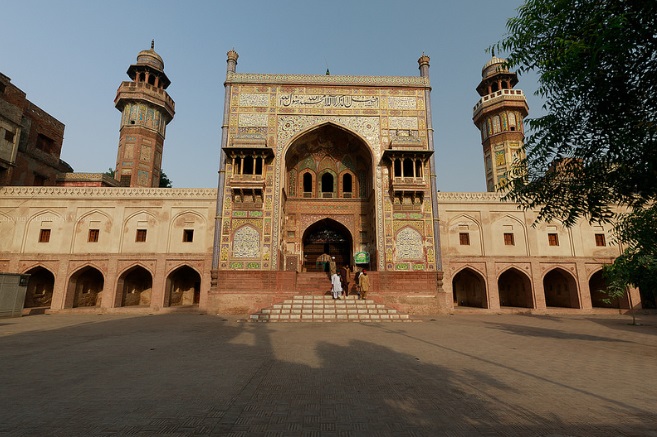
x=326, y=238
x=328, y=200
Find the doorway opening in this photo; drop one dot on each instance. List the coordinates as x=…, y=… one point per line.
x=322, y=241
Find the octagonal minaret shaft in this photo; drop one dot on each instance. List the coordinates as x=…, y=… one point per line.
x=146, y=110
x=499, y=116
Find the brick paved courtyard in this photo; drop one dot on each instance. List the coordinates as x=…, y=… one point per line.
x=189, y=374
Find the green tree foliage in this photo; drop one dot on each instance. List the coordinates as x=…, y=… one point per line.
x=109, y=172
x=596, y=145
x=165, y=182
x=637, y=265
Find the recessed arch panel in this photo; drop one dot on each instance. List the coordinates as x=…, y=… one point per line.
x=515, y=289
x=469, y=289
x=560, y=289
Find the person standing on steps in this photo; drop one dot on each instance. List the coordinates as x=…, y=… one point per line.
x=336, y=286
x=333, y=267
x=364, y=282
x=344, y=278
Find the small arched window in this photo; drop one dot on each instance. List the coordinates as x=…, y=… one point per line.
x=327, y=183
x=347, y=185
x=307, y=183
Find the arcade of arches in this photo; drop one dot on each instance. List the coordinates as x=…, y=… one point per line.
x=86, y=288
x=328, y=201
x=515, y=290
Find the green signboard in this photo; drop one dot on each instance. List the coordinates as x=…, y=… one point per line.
x=362, y=258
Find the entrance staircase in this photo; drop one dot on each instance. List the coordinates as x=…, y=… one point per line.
x=323, y=308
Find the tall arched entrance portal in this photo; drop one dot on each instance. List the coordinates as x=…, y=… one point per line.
x=328, y=200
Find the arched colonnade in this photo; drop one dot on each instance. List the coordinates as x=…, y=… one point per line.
x=86, y=287
x=515, y=290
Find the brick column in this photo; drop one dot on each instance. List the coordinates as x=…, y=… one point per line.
x=583, y=286
x=493, y=292
x=537, y=285
x=159, y=285
x=109, y=286
x=59, y=298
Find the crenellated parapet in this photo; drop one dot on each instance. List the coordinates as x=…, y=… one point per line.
x=328, y=80
x=105, y=192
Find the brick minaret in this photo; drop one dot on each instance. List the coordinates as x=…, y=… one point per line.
x=146, y=110
x=499, y=116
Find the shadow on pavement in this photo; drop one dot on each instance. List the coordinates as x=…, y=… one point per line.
x=184, y=374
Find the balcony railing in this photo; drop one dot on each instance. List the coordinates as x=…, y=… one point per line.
x=247, y=181
x=498, y=95
x=409, y=184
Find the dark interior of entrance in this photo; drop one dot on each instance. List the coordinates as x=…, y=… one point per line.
x=326, y=238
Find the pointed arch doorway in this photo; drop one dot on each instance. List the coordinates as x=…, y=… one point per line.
x=326, y=237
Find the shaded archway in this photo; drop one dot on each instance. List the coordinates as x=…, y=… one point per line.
x=327, y=151
x=648, y=299
x=515, y=289
x=183, y=287
x=560, y=289
x=86, y=287
x=39, y=288
x=600, y=299
x=326, y=237
x=134, y=287
x=469, y=289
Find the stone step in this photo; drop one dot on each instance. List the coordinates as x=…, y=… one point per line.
x=259, y=317
x=321, y=308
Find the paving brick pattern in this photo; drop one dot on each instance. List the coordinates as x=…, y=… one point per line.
x=320, y=308
x=462, y=375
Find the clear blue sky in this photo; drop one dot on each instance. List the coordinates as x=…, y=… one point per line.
x=70, y=57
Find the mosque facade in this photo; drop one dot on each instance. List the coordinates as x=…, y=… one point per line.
x=312, y=167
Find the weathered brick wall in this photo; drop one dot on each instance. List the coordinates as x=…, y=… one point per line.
x=243, y=292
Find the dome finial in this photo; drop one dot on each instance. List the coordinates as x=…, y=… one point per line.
x=493, y=51
x=152, y=44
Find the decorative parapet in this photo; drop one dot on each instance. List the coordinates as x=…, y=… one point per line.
x=322, y=79
x=482, y=197
x=110, y=192
x=505, y=94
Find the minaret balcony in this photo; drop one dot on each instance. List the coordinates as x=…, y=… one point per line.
x=498, y=96
x=135, y=91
